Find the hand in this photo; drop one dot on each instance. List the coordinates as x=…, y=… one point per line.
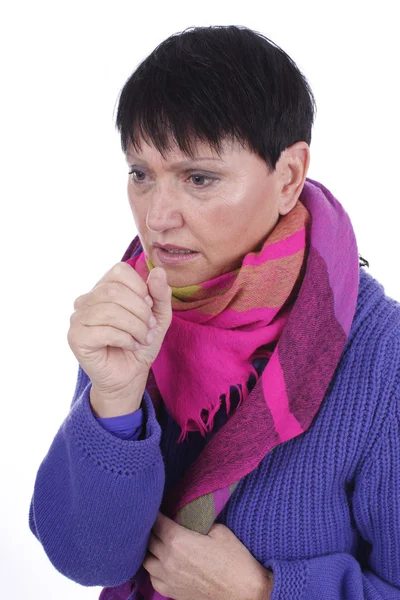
x=110, y=319
x=186, y=565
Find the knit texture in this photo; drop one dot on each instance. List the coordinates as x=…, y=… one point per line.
x=321, y=510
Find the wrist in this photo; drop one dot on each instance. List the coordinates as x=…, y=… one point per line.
x=105, y=405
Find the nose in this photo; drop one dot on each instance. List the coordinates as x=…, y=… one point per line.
x=163, y=211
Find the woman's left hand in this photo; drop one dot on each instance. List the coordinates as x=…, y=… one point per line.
x=186, y=565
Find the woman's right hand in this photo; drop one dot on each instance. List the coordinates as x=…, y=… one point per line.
x=111, y=319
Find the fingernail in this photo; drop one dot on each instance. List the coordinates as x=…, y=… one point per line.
x=149, y=300
x=149, y=337
x=152, y=322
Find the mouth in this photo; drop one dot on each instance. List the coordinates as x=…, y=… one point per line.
x=174, y=257
x=172, y=247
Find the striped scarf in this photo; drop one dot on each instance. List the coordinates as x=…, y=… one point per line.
x=293, y=301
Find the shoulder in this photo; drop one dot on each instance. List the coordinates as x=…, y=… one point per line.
x=369, y=370
x=377, y=315
x=375, y=331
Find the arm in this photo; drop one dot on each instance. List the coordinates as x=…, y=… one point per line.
x=376, y=509
x=96, y=496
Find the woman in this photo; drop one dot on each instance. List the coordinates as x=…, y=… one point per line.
x=249, y=448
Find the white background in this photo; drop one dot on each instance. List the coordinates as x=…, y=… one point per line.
x=65, y=215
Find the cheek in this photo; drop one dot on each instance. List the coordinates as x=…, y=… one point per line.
x=220, y=234
x=229, y=221
x=224, y=215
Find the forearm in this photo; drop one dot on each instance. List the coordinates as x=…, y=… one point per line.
x=96, y=498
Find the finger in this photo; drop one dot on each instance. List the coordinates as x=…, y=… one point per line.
x=161, y=293
x=163, y=526
x=100, y=337
x=124, y=273
x=155, y=546
x=152, y=565
x=116, y=293
x=112, y=315
x=160, y=586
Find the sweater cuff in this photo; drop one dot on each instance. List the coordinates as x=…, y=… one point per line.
x=290, y=579
x=110, y=453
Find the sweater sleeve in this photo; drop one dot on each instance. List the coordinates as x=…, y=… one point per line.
x=126, y=427
x=96, y=496
x=376, y=509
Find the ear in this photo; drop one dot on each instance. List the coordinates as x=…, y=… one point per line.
x=294, y=168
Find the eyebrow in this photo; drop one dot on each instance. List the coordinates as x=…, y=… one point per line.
x=178, y=165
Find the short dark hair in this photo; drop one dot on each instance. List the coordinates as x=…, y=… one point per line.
x=216, y=83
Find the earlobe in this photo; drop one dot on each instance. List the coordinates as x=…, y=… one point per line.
x=286, y=209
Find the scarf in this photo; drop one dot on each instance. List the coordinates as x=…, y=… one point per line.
x=293, y=301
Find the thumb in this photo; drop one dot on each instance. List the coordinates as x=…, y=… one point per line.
x=161, y=293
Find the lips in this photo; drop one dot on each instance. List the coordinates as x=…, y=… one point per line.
x=174, y=258
x=172, y=247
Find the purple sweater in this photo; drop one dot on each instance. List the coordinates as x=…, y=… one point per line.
x=321, y=510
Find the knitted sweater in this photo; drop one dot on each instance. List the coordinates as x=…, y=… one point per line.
x=321, y=510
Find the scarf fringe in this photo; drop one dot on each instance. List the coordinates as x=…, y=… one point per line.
x=208, y=426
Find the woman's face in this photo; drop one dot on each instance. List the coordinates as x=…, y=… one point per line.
x=221, y=208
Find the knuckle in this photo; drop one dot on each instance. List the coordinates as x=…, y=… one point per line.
x=174, y=542
x=118, y=267
x=119, y=270
x=82, y=300
x=124, y=272
x=105, y=312
x=110, y=290
x=71, y=337
x=169, y=564
x=141, y=334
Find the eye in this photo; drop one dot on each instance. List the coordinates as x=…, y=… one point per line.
x=135, y=179
x=202, y=177
x=138, y=177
